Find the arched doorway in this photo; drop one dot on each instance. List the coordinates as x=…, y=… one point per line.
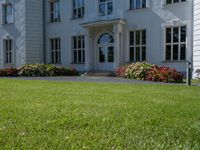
x=105, y=52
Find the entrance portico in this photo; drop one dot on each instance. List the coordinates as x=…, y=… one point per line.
x=104, y=45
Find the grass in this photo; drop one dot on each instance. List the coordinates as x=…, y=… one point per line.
x=54, y=115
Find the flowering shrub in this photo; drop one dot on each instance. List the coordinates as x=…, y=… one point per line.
x=8, y=72
x=164, y=74
x=36, y=70
x=145, y=71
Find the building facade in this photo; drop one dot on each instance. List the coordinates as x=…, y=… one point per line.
x=100, y=35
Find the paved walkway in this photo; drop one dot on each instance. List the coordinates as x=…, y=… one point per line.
x=96, y=79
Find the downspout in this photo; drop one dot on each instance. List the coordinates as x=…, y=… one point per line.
x=192, y=38
x=44, y=32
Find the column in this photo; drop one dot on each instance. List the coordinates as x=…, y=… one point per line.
x=88, y=51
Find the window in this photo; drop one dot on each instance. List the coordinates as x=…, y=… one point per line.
x=78, y=49
x=137, y=45
x=8, y=48
x=78, y=9
x=138, y=4
x=54, y=11
x=105, y=7
x=7, y=13
x=174, y=1
x=55, y=50
x=175, y=43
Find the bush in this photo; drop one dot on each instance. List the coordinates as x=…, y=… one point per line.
x=37, y=70
x=8, y=72
x=164, y=74
x=145, y=71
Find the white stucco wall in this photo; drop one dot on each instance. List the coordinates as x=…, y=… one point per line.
x=196, y=48
x=153, y=19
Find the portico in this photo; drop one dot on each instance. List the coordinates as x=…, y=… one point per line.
x=104, y=45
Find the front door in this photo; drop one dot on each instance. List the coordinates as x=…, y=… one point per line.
x=105, y=53
x=106, y=58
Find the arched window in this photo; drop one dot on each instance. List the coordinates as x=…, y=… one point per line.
x=105, y=38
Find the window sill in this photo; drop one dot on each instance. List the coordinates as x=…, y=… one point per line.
x=174, y=61
x=77, y=19
x=74, y=63
x=138, y=9
x=51, y=22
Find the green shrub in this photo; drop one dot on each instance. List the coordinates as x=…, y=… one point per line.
x=37, y=70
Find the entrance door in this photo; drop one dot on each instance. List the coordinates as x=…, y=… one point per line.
x=105, y=53
x=106, y=58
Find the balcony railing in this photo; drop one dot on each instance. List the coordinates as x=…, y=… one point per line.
x=96, y=17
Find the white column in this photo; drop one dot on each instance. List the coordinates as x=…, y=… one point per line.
x=88, y=51
x=117, y=29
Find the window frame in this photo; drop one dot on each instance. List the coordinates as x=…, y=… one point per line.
x=172, y=43
x=81, y=8
x=5, y=16
x=134, y=46
x=77, y=49
x=54, y=51
x=8, y=53
x=52, y=13
x=135, y=4
x=106, y=9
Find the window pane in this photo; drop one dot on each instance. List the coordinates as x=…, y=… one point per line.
x=132, y=54
x=143, y=3
x=183, y=34
x=176, y=34
x=144, y=37
x=143, y=53
x=101, y=55
x=75, y=56
x=175, y=52
x=137, y=4
x=110, y=8
x=183, y=52
x=168, y=35
x=110, y=54
x=137, y=53
x=168, y=52
x=131, y=38
x=137, y=37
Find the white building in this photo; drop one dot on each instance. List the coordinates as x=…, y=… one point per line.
x=100, y=35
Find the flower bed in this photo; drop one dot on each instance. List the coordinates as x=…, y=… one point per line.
x=149, y=72
x=38, y=70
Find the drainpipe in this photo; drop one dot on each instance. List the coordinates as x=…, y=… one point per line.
x=44, y=32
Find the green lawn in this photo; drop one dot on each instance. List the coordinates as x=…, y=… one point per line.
x=55, y=115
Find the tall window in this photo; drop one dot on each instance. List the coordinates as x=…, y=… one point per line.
x=55, y=50
x=78, y=49
x=137, y=4
x=78, y=9
x=137, y=45
x=8, y=46
x=54, y=11
x=174, y=1
x=8, y=13
x=175, y=43
x=105, y=7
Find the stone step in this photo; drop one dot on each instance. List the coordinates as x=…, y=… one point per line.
x=99, y=74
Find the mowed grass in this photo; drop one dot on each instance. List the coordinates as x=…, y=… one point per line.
x=54, y=115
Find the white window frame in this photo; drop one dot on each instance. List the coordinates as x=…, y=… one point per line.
x=5, y=16
x=135, y=6
x=77, y=49
x=8, y=50
x=172, y=43
x=77, y=8
x=54, y=15
x=106, y=9
x=173, y=2
x=54, y=50
x=136, y=46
